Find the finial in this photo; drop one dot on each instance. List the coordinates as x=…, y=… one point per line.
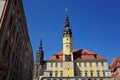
x=66, y=11
x=40, y=44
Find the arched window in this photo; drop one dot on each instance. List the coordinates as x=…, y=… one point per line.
x=86, y=73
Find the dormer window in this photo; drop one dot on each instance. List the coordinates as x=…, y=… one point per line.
x=95, y=55
x=85, y=52
x=57, y=56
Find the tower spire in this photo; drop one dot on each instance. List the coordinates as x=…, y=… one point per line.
x=40, y=49
x=66, y=19
x=40, y=44
x=40, y=54
x=67, y=29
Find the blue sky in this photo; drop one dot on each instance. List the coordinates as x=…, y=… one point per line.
x=95, y=25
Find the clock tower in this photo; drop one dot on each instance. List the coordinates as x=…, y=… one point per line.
x=67, y=49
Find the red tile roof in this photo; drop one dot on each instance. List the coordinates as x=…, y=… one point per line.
x=114, y=62
x=82, y=54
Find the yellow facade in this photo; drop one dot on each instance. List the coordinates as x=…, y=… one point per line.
x=68, y=71
x=85, y=67
x=90, y=69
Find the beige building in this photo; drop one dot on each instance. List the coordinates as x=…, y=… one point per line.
x=70, y=64
x=16, y=55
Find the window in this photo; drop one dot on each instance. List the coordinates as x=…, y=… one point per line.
x=90, y=64
x=61, y=74
x=38, y=57
x=9, y=53
x=57, y=56
x=102, y=63
x=15, y=2
x=103, y=73
x=50, y=73
x=67, y=57
x=51, y=64
x=96, y=63
x=56, y=74
x=61, y=64
x=56, y=64
x=79, y=64
x=91, y=73
x=4, y=47
x=14, y=29
x=98, y=74
x=85, y=64
x=80, y=73
x=37, y=74
x=11, y=20
x=37, y=67
x=67, y=39
x=13, y=57
x=85, y=73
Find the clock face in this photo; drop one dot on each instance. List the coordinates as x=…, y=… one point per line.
x=68, y=64
x=67, y=57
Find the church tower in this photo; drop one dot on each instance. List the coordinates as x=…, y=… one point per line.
x=38, y=66
x=40, y=54
x=67, y=49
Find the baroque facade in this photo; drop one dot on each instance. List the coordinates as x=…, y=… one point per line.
x=69, y=64
x=115, y=68
x=16, y=55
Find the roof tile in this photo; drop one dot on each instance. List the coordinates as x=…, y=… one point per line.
x=82, y=54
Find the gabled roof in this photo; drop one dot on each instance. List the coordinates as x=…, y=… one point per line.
x=114, y=62
x=79, y=55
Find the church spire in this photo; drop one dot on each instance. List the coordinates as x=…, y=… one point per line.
x=67, y=29
x=40, y=50
x=40, y=54
x=40, y=44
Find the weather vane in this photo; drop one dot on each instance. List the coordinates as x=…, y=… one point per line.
x=66, y=10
